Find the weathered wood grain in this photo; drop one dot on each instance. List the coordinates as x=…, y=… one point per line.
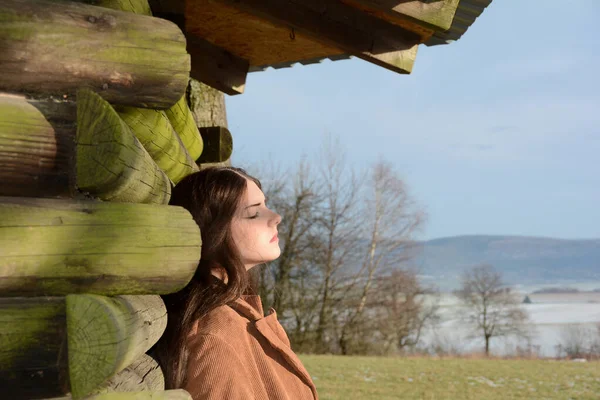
x=144, y=374
x=37, y=146
x=432, y=15
x=111, y=163
x=33, y=349
x=342, y=26
x=58, y=47
x=153, y=129
x=217, y=67
x=207, y=105
x=57, y=247
x=107, y=334
x=182, y=120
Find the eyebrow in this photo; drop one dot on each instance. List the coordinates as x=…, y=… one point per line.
x=255, y=205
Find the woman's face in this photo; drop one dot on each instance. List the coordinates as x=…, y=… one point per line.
x=254, y=228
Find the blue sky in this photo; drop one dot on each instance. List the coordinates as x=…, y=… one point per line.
x=497, y=133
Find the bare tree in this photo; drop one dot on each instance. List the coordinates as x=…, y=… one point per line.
x=406, y=308
x=389, y=219
x=296, y=205
x=335, y=231
x=490, y=307
x=579, y=341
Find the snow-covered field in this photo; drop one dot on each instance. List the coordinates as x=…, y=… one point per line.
x=555, y=318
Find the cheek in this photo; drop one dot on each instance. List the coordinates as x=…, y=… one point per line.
x=244, y=238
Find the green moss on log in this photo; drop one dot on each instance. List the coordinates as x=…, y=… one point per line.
x=111, y=163
x=57, y=247
x=55, y=47
x=184, y=124
x=106, y=335
x=154, y=131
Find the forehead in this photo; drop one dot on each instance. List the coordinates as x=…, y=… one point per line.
x=253, y=192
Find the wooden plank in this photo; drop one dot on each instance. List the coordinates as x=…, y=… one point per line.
x=412, y=14
x=341, y=26
x=106, y=335
x=252, y=38
x=218, y=144
x=153, y=129
x=57, y=247
x=45, y=47
x=37, y=146
x=33, y=351
x=111, y=163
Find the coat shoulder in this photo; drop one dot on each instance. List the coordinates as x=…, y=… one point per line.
x=222, y=322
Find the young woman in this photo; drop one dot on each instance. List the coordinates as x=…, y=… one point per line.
x=218, y=343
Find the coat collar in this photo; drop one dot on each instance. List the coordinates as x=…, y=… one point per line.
x=251, y=308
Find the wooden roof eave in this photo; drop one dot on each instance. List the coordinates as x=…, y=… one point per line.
x=227, y=38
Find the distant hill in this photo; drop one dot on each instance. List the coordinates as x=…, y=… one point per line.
x=522, y=260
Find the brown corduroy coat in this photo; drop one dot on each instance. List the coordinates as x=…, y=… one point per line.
x=236, y=353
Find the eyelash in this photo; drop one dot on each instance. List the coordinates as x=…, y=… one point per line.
x=254, y=216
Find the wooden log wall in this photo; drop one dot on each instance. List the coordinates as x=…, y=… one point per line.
x=79, y=277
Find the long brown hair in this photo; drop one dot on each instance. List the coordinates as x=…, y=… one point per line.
x=212, y=196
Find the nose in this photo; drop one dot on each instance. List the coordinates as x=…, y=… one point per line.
x=276, y=219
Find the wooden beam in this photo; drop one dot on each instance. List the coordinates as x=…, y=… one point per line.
x=435, y=15
x=342, y=26
x=218, y=144
x=111, y=163
x=55, y=247
x=37, y=146
x=55, y=47
x=210, y=63
x=216, y=66
x=182, y=120
x=33, y=349
x=153, y=129
x=106, y=335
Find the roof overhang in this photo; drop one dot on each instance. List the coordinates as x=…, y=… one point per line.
x=229, y=38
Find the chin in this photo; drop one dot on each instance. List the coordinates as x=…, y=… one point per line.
x=274, y=255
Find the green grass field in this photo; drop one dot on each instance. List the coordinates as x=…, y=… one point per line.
x=381, y=378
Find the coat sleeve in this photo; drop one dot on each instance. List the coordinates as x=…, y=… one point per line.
x=215, y=371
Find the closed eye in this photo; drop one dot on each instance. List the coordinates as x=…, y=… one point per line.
x=254, y=216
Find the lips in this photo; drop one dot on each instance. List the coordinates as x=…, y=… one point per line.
x=274, y=239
